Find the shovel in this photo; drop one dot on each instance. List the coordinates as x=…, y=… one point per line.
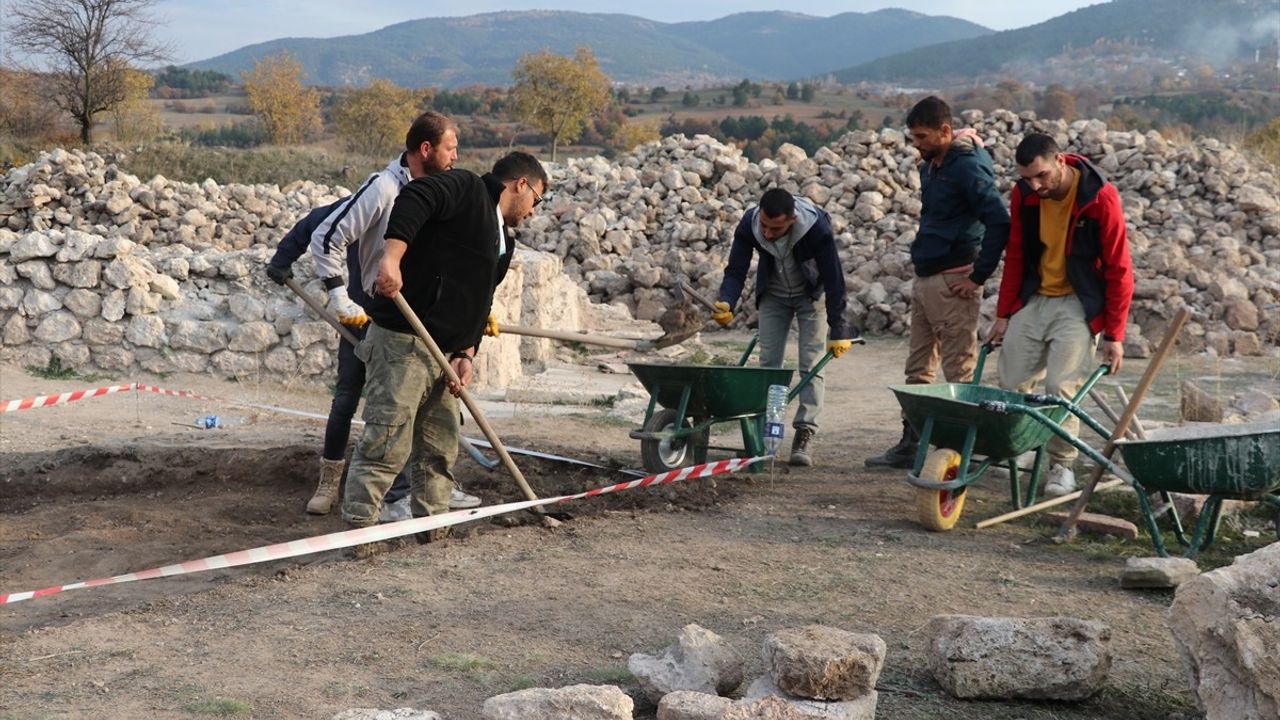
x=692, y=292
x=666, y=340
x=549, y=519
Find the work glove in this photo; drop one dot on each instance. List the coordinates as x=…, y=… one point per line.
x=839, y=347
x=279, y=274
x=491, y=326
x=722, y=314
x=348, y=312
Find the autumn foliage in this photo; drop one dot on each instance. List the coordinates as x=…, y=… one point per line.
x=288, y=110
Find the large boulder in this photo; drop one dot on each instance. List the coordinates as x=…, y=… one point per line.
x=863, y=708
x=1054, y=658
x=699, y=660
x=1226, y=626
x=575, y=702
x=824, y=663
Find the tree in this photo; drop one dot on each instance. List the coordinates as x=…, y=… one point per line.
x=287, y=109
x=657, y=94
x=557, y=94
x=807, y=92
x=1057, y=102
x=793, y=90
x=86, y=45
x=690, y=99
x=629, y=135
x=134, y=119
x=373, y=119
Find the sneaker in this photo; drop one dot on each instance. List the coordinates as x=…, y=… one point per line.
x=800, y=447
x=396, y=511
x=459, y=500
x=1062, y=480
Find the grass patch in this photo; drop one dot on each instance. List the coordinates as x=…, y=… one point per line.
x=267, y=164
x=222, y=707
x=462, y=662
x=55, y=370
x=610, y=676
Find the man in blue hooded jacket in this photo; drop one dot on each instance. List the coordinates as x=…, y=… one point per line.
x=798, y=265
x=964, y=226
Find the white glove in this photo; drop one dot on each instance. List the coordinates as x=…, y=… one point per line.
x=348, y=312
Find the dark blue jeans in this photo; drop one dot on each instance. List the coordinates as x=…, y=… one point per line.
x=346, y=396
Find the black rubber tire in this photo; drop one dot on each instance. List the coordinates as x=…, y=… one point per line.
x=660, y=456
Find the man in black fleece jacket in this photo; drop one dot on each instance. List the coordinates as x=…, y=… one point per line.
x=447, y=248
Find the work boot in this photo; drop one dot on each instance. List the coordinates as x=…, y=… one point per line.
x=432, y=536
x=902, y=455
x=327, y=490
x=800, y=447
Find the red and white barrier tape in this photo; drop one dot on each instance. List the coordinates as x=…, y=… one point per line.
x=40, y=401
x=376, y=533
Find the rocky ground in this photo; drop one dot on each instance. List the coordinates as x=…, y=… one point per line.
x=113, y=484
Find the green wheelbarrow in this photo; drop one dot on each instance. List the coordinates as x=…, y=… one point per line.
x=686, y=400
x=1230, y=461
x=965, y=420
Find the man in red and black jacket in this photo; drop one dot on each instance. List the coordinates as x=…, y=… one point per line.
x=1067, y=279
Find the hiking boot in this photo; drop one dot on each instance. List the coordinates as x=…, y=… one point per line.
x=432, y=536
x=800, y=447
x=901, y=456
x=459, y=500
x=396, y=511
x=327, y=490
x=1062, y=480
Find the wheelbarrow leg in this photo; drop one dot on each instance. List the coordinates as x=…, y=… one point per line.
x=922, y=448
x=753, y=440
x=1149, y=519
x=1206, y=526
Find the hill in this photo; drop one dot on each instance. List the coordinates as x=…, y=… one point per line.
x=454, y=52
x=1216, y=30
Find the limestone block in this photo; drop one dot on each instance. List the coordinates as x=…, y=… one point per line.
x=57, y=326
x=32, y=246
x=15, y=330
x=84, y=274
x=72, y=354
x=112, y=359
x=166, y=287
x=140, y=302
x=146, y=331
x=113, y=305
x=192, y=362
x=689, y=705
x=575, y=702
x=37, y=271
x=127, y=271
x=698, y=660
x=233, y=364
x=8, y=275
x=97, y=331
x=12, y=297
x=316, y=360
x=205, y=337
x=246, y=307
x=863, y=708
x=113, y=247
x=1253, y=199
x=824, y=663
x=1157, y=572
x=36, y=303
x=397, y=714
x=1198, y=405
x=1055, y=658
x=305, y=334
x=1226, y=625
x=282, y=360
x=253, y=337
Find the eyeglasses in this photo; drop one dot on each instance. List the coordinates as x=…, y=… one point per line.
x=537, y=199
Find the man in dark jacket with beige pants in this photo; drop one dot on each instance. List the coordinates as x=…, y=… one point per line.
x=963, y=230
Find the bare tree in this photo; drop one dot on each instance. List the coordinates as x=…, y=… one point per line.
x=86, y=45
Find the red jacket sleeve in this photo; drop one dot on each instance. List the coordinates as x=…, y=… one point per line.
x=1115, y=264
x=1011, y=279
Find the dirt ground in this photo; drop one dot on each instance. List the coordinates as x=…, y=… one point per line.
x=120, y=483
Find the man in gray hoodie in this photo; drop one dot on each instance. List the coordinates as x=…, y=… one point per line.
x=798, y=266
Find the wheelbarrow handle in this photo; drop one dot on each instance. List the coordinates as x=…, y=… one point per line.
x=808, y=377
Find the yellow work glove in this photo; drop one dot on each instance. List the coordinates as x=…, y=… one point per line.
x=491, y=326
x=839, y=347
x=723, y=314
x=345, y=308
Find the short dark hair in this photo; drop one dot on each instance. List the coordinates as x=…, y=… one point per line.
x=777, y=203
x=516, y=165
x=932, y=112
x=1036, y=145
x=430, y=127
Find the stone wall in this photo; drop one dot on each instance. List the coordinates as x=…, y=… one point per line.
x=1204, y=222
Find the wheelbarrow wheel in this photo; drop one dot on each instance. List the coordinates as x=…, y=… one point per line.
x=662, y=455
x=940, y=509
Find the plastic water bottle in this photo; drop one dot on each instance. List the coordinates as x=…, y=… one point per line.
x=214, y=422
x=775, y=417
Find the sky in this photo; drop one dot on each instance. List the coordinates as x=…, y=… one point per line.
x=200, y=29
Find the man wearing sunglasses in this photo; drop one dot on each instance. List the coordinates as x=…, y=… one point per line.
x=447, y=247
